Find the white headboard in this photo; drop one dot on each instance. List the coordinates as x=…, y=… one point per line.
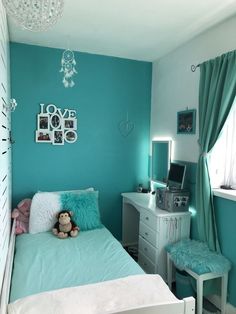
x=5, y=143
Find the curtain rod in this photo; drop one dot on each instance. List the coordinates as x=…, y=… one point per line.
x=194, y=67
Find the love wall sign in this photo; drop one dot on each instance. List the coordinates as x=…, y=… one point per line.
x=56, y=125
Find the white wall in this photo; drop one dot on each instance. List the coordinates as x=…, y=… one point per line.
x=175, y=87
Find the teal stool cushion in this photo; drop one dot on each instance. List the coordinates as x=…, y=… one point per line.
x=196, y=255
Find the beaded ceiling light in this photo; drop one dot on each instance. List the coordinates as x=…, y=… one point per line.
x=34, y=15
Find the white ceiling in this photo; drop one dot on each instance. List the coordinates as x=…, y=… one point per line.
x=135, y=29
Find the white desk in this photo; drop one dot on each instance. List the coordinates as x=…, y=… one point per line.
x=151, y=228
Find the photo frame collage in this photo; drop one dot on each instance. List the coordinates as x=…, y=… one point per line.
x=56, y=127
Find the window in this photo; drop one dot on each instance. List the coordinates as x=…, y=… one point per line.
x=222, y=158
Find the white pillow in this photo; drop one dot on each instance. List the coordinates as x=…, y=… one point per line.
x=43, y=210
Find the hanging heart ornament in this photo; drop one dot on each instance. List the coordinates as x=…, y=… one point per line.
x=125, y=127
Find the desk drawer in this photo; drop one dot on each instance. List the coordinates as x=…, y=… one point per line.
x=147, y=249
x=149, y=219
x=146, y=264
x=148, y=234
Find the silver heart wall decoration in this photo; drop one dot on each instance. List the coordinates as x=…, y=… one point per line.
x=125, y=127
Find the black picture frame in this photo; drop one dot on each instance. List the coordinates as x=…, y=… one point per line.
x=186, y=122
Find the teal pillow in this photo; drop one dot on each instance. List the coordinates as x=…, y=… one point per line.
x=84, y=207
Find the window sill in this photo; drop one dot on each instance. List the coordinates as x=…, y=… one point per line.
x=228, y=194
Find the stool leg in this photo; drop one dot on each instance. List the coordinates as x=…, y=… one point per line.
x=224, y=283
x=169, y=271
x=199, y=295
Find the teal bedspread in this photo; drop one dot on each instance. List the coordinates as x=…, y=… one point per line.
x=43, y=262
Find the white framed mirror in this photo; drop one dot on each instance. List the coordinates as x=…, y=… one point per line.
x=161, y=157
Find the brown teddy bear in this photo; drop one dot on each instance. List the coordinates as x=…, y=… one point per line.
x=65, y=226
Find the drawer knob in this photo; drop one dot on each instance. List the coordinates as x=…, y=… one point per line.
x=146, y=233
x=147, y=218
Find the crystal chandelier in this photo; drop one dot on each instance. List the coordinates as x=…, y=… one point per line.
x=34, y=15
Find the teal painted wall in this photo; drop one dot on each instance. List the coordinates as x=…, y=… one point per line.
x=106, y=89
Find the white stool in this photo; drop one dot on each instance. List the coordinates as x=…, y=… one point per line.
x=200, y=279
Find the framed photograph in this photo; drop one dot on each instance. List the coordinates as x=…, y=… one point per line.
x=58, y=137
x=55, y=121
x=70, y=136
x=43, y=137
x=70, y=123
x=186, y=122
x=43, y=122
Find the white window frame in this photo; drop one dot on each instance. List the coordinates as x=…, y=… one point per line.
x=217, y=191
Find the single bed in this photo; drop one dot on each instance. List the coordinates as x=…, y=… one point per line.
x=92, y=257
x=91, y=273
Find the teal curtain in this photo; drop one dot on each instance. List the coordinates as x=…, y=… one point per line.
x=217, y=91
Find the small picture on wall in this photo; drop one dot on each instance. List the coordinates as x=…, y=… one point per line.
x=70, y=136
x=43, y=122
x=58, y=137
x=55, y=121
x=186, y=122
x=70, y=124
x=43, y=136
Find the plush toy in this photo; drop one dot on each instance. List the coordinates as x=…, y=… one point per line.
x=65, y=226
x=21, y=214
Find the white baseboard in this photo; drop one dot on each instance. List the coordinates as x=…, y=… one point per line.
x=215, y=299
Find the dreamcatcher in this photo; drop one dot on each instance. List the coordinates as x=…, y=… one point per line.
x=68, y=64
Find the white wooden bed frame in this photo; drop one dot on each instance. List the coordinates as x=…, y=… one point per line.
x=7, y=274
x=185, y=306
